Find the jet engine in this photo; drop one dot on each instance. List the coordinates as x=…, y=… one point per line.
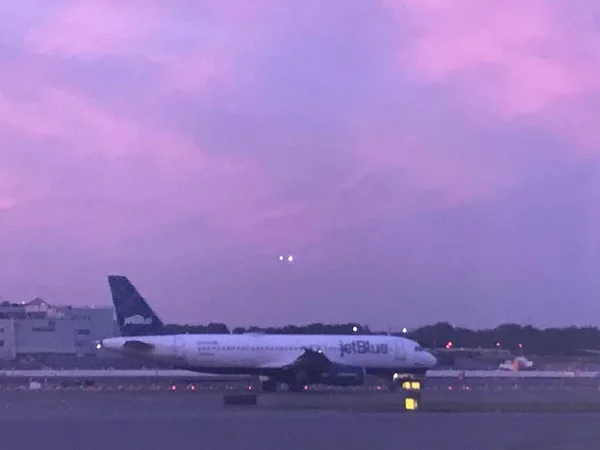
x=341, y=375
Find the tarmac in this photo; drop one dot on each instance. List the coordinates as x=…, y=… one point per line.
x=514, y=390
x=94, y=420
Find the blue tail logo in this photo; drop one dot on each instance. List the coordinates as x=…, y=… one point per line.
x=137, y=320
x=134, y=315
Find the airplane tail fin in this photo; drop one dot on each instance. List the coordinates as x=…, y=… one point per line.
x=134, y=316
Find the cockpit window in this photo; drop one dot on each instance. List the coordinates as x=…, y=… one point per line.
x=419, y=349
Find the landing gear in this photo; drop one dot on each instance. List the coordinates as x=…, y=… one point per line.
x=297, y=381
x=269, y=385
x=296, y=387
x=273, y=386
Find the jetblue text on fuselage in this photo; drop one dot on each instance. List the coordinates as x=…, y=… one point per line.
x=362, y=347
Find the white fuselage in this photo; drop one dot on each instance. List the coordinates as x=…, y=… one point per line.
x=240, y=353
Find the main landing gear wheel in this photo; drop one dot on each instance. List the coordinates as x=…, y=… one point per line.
x=269, y=386
x=296, y=387
x=299, y=381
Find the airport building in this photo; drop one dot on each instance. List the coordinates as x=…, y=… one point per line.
x=38, y=328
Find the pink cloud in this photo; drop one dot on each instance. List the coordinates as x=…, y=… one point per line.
x=106, y=156
x=87, y=130
x=198, y=45
x=206, y=137
x=8, y=194
x=90, y=29
x=521, y=58
x=442, y=48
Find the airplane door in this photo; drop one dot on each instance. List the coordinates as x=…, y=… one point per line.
x=399, y=350
x=179, y=347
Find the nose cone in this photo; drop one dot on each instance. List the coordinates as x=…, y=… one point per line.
x=431, y=360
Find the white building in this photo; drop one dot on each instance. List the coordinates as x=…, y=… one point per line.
x=38, y=328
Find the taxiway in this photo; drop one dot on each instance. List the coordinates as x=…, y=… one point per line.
x=97, y=420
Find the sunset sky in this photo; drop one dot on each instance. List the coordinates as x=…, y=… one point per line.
x=424, y=160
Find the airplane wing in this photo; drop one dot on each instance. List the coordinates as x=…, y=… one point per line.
x=311, y=360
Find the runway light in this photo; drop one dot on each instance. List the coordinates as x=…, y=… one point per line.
x=404, y=330
x=281, y=258
x=411, y=404
x=290, y=258
x=98, y=346
x=355, y=329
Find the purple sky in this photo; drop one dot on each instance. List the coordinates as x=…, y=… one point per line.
x=424, y=160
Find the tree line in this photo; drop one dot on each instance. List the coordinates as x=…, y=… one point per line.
x=518, y=338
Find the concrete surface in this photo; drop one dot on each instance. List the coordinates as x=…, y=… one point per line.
x=183, y=420
x=501, y=390
x=574, y=390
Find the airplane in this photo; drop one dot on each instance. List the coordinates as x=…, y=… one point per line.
x=297, y=361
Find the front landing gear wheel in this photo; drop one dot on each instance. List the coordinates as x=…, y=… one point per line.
x=296, y=387
x=269, y=386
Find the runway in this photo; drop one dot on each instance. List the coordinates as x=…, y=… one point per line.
x=516, y=390
x=468, y=390
x=193, y=420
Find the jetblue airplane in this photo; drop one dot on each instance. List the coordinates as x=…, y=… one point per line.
x=294, y=360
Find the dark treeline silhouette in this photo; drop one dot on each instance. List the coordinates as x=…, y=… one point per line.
x=518, y=338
